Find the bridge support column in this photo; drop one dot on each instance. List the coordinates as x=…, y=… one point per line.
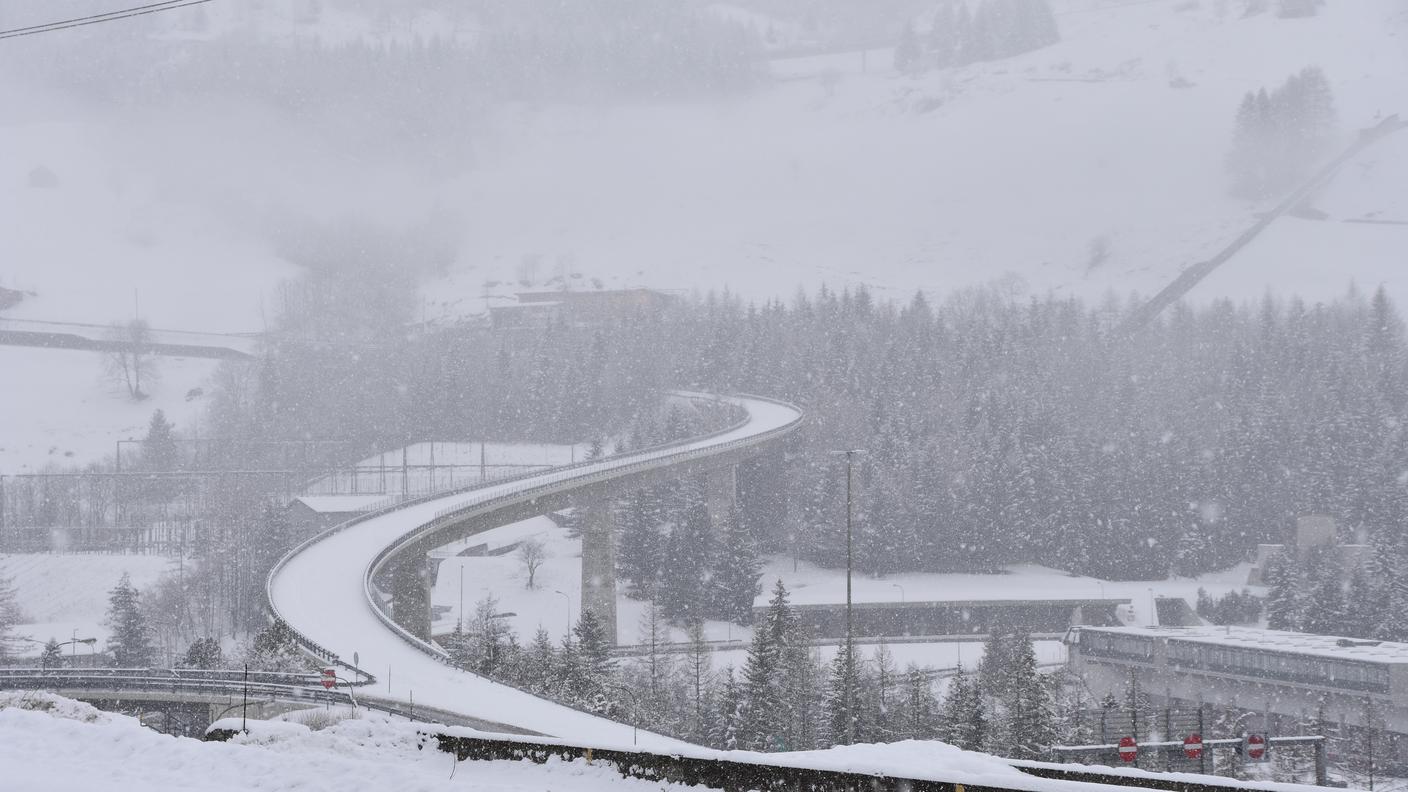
x=410, y=596
x=721, y=496
x=599, y=564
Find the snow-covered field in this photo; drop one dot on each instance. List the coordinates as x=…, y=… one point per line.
x=997, y=171
x=810, y=584
x=67, y=413
x=468, y=579
x=64, y=596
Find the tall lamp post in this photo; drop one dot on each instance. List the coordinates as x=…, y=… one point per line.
x=849, y=694
x=567, y=637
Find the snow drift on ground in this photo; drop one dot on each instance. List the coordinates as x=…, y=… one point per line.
x=42, y=752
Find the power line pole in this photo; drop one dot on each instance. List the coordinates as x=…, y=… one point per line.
x=848, y=694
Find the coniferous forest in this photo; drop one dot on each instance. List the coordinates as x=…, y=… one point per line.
x=999, y=430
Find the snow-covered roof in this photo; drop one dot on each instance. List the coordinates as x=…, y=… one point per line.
x=1274, y=640
x=340, y=504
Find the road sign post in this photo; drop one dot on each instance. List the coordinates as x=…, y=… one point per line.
x=1193, y=746
x=1254, y=747
x=1128, y=749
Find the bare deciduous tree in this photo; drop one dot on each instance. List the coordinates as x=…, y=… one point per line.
x=129, y=358
x=532, y=554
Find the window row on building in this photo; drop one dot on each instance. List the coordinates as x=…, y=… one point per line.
x=1286, y=666
x=1125, y=647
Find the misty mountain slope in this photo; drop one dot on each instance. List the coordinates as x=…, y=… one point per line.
x=1016, y=169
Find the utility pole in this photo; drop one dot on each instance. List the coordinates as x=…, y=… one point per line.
x=848, y=695
x=244, y=711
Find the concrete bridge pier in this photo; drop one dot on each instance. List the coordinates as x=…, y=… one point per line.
x=721, y=496
x=599, y=563
x=410, y=595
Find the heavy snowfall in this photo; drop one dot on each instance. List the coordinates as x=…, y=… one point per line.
x=947, y=391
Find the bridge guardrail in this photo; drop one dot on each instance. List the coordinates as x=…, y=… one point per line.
x=611, y=468
x=781, y=771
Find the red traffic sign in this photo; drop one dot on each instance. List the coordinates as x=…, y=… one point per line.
x=1129, y=751
x=329, y=678
x=1255, y=746
x=1193, y=746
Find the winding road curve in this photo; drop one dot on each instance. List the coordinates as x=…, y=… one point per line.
x=323, y=588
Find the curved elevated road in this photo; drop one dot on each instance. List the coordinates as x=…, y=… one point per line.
x=324, y=588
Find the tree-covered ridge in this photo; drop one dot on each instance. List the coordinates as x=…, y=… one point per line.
x=999, y=430
x=1004, y=430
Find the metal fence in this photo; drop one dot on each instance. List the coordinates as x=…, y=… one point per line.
x=1163, y=740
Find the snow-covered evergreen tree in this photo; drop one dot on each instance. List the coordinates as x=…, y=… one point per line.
x=203, y=653
x=909, y=57
x=52, y=656
x=736, y=578
x=130, y=644
x=846, y=714
x=964, y=719
x=763, y=700
x=919, y=709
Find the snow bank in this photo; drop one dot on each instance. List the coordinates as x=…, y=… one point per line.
x=53, y=705
x=41, y=752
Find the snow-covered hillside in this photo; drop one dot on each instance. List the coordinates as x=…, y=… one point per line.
x=840, y=170
x=1009, y=170
x=66, y=595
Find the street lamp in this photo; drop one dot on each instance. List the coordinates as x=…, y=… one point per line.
x=849, y=694
x=901, y=588
x=635, y=707
x=567, y=638
x=44, y=661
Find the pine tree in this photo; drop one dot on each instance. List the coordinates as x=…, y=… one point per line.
x=884, y=705
x=690, y=552
x=909, y=57
x=275, y=648
x=481, y=649
x=700, y=680
x=727, y=732
x=964, y=718
x=1283, y=605
x=657, y=666
x=588, y=666
x=943, y=47
x=845, y=714
x=159, y=446
x=202, y=653
x=52, y=657
x=919, y=708
x=641, y=550
x=9, y=615
x=763, y=700
x=737, y=574
x=1027, y=727
x=130, y=644
x=541, y=662
x=1324, y=611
